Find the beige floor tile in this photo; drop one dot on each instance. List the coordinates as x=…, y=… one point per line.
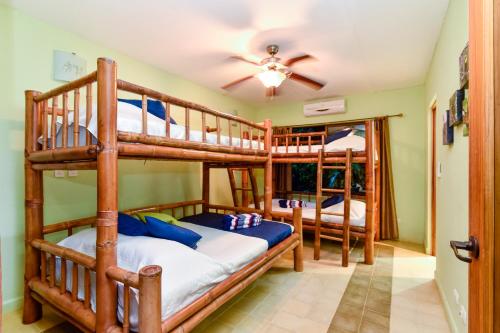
x=285, y=301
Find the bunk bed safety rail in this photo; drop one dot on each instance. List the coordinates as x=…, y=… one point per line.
x=55, y=290
x=60, y=109
x=60, y=125
x=249, y=140
x=294, y=141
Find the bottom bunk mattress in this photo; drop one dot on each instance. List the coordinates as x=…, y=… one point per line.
x=357, y=216
x=270, y=231
x=187, y=273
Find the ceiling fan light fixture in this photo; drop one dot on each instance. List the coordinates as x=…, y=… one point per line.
x=271, y=78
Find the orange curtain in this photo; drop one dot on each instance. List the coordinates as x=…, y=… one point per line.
x=389, y=228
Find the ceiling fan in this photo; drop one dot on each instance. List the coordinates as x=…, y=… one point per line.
x=274, y=72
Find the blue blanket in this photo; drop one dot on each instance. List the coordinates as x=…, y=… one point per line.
x=272, y=232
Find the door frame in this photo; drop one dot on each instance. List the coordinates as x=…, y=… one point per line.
x=433, y=114
x=484, y=159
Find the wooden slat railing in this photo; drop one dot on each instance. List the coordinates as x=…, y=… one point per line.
x=256, y=130
x=52, y=110
x=294, y=141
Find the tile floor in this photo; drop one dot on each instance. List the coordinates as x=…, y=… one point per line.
x=286, y=301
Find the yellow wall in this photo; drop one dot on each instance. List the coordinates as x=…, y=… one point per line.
x=408, y=145
x=452, y=187
x=26, y=46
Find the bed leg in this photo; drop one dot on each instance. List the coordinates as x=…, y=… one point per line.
x=32, y=310
x=150, y=299
x=206, y=188
x=298, y=252
x=268, y=170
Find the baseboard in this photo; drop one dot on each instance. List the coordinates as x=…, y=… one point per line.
x=447, y=308
x=12, y=305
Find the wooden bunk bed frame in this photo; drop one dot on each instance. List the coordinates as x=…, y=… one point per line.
x=292, y=142
x=40, y=276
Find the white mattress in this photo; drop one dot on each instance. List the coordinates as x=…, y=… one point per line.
x=355, y=142
x=187, y=273
x=130, y=120
x=357, y=216
x=233, y=251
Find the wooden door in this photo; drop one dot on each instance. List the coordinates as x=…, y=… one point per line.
x=483, y=161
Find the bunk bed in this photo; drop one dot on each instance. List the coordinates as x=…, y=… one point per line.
x=358, y=214
x=80, y=277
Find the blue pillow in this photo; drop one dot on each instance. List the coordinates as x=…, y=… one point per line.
x=333, y=200
x=130, y=226
x=154, y=107
x=160, y=229
x=337, y=135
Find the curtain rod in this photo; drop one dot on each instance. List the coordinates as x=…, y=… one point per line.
x=351, y=121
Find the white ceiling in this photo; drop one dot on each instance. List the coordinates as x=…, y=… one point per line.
x=360, y=45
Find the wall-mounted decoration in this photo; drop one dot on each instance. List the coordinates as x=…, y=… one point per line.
x=464, y=67
x=453, y=110
x=447, y=129
x=465, y=107
x=68, y=66
x=456, y=107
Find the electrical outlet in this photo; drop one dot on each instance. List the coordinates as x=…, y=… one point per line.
x=463, y=314
x=59, y=173
x=457, y=296
x=72, y=173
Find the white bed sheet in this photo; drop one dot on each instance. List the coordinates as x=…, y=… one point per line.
x=187, y=274
x=355, y=142
x=233, y=251
x=357, y=216
x=130, y=120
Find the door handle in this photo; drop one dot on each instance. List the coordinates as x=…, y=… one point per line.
x=472, y=246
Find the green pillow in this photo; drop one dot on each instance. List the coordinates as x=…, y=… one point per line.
x=159, y=216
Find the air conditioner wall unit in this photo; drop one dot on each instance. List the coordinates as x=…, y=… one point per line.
x=324, y=108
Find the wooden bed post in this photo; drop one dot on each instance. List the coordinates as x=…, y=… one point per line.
x=268, y=170
x=319, y=193
x=370, y=194
x=298, y=252
x=244, y=184
x=347, y=208
x=107, y=194
x=150, y=299
x=32, y=310
x=205, y=187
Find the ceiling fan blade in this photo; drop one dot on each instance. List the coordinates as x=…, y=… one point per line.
x=236, y=57
x=271, y=92
x=307, y=81
x=232, y=84
x=294, y=60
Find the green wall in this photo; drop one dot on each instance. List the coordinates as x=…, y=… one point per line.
x=408, y=145
x=26, y=63
x=452, y=186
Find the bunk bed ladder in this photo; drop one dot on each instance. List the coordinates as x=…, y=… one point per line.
x=346, y=166
x=246, y=174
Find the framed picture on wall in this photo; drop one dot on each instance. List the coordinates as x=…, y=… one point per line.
x=464, y=67
x=465, y=107
x=456, y=107
x=453, y=110
x=447, y=129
